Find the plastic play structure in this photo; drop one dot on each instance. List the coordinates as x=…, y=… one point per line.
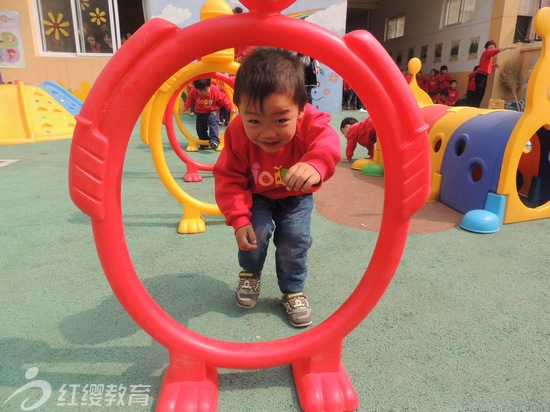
x=491, y=165
x=160, y=110
x=100, y=142
x=36, y=113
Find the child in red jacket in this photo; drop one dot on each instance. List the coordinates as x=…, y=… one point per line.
x=444, y=78
x=356, y=132
x=207, y=99
x=278, y=151
x=452, y=94
x=433, y=84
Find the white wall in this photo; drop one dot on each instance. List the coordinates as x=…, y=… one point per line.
x=423, y=26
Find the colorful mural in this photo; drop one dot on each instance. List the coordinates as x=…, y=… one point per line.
x=11, y=47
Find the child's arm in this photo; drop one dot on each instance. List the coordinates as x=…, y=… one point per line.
x=190, y=101
x=350, y=148
x=223, y=100
x=322, y=143
x=232, y=178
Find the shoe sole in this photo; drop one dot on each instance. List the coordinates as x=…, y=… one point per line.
x=244, y=306
x=300, y=325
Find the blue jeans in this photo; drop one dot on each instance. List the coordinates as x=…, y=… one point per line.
x=289, y=221
x=208, y=127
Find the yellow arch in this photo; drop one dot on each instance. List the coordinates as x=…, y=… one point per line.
x=536, y=116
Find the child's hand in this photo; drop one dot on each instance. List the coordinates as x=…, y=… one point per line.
x=301, y=176
x=246, y=238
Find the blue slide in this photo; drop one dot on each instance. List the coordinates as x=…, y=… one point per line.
x=63, y=97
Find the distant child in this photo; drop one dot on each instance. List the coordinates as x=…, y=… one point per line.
x=452, y=94
x=207, y=99
x=433, y=84
x=471, y=89
x=356, y=132
x=422, y=81
x=442, y=97
x=444, y=78
x=278, y=151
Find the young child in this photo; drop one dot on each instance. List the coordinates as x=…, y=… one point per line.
x=207, y=99
x=356, y=132
x=442, y=97
x=433, y=85
x=444, y=78
x=452, y=94
x=278, y=151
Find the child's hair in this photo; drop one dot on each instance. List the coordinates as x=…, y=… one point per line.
x=443, y=68
x=444, y=92
x=489, y=42
x=454, y=81
x=348, y=120
x=202, y=84
x=269, y=70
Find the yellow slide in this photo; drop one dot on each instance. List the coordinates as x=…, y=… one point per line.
x=29, y=114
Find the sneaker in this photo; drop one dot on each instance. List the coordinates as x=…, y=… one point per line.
x=297, y=309
x=214, y=145
x=362, y=110
x=248, y=290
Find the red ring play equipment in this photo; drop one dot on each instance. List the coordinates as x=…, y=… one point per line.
x=99, y=145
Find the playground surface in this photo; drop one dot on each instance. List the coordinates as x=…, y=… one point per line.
x=464, y=326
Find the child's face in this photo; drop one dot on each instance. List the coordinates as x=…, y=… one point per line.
x=275, y=126
x=345, y=130
x=206, y=90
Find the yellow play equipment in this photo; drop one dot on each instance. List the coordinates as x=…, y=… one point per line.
x=533, y=127
x=222, y=61
x=487, y=160
x=492, y=161
x=29, y=114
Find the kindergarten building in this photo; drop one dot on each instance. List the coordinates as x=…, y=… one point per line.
x=69, y=42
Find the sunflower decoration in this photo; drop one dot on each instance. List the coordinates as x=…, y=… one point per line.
x=84, y=4
x=56, y=25
x=98, y=16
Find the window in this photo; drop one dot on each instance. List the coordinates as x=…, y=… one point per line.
x=395, y=27
x=85, y=27
x=459, y=11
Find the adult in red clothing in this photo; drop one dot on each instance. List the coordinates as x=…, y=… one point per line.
x=471, y=88
x=207, y=99
x=356, y=132
x=485, y=68
x=278, y=151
